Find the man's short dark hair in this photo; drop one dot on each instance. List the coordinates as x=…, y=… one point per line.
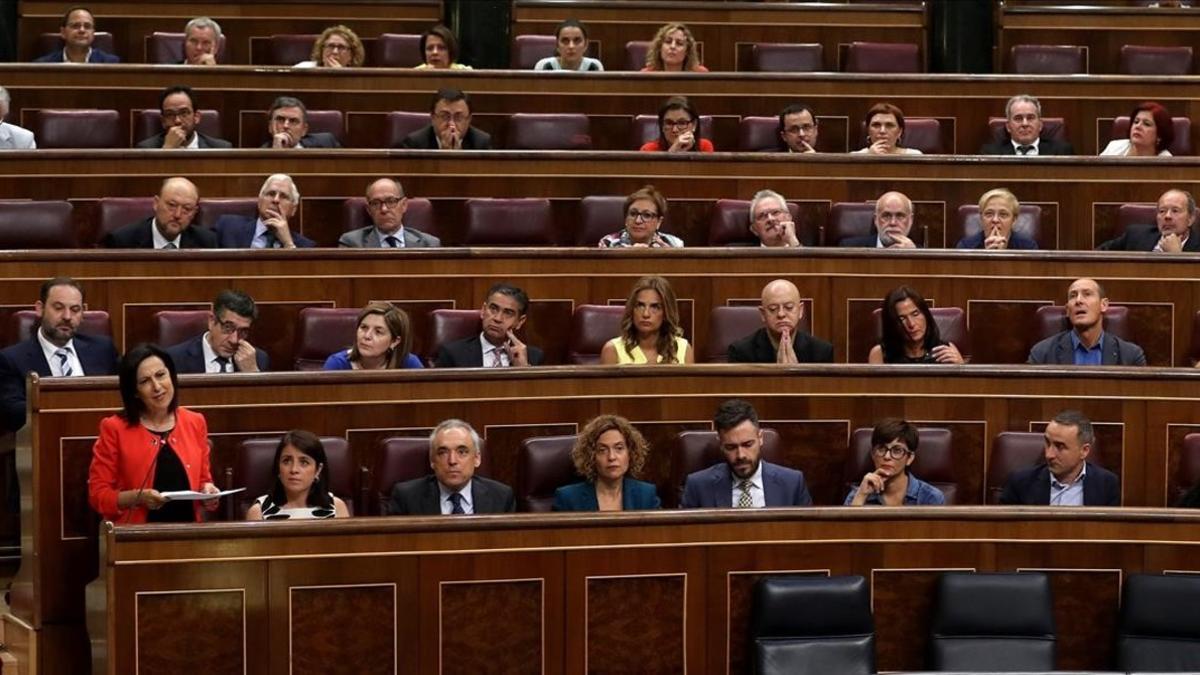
x=67, y=15
x=891, y=429
x=732, y=413
x=177, y=89
x=288, y=102
x=792, y=110
x=59, y=281
x=513, y=292
x=450, y=96
x=1083, y=426
x=237, y=302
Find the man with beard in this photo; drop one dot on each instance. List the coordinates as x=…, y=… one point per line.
x=893, y=222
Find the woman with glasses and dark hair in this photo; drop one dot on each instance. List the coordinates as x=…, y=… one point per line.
x=910, y=334
x=678, y=128
x=301, y=486
x=651, y=332
x=645, y=211
x=893, y=450
x=382, y=341
x=151, y=447
x=608, y=453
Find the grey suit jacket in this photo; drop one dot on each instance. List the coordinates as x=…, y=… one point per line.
x=13, y=137
x=1058, y=350
x=368, y=237
x=420, y=497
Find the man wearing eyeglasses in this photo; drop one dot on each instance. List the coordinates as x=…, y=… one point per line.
x=78, y=31
x=225, y=347
x=170, y=227
x=893, y=222
x=450, y=126
x=893, y=450
x=180, y=119
x=386, y=204
x=497, y=345
x=287, y=121
x=780, y=340
x=798, y=129
x=771, y=221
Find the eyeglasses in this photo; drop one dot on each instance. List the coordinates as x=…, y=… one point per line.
x=457, y=118
x=81, y=25
x=390, y=202
x=890, y=451
x=229, y=328
x=284, y=120
x=677, y=124
x=173, y=114
x=336, y=47
x=764, y=216
x=800, y=129
x=636, y=215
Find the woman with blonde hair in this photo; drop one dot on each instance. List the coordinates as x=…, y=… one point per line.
x=383, y=341
x=998, y=212
x=650, y=328
x=607, y=453
x=336, y=47
x=673, y=50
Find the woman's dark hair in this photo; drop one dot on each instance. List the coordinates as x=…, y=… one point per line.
x=884, y=109
x=447, y=37
x=570, y=23
x=894, y=338
x=1163, y=126
x=132, y=405
x=307, y=443
x=678, y=103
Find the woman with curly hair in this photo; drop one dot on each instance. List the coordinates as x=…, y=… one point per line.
x=673, y=50
x=650, y=328
x=336, y=47
x=607, y=453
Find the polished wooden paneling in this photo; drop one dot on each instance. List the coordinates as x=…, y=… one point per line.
x=332, y=627
x=636, y=624
x=468, y=646
x=208, y=626
x=1091, y=598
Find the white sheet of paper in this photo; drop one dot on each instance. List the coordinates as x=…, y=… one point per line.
x=190, y=496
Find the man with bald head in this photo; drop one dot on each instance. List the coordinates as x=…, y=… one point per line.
x=386, y=204
x=1086, y=343
x=780, y=340
x=170, y=227
x=771, y=221
x=1172, y=232
x=893, y=222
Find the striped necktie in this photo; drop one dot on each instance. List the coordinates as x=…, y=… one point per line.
x=64, y=361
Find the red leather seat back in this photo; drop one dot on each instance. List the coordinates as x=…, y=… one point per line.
x=323, y=331
x=543, y=465
x=883, y=57
x=549, y=131
x=591, y=327
x=1047, y=60
x=36, y=225
x=779, y=57
x=398, y=50
x=509, y=222
x=78, y=129
x=449, y=325
x=175, y=326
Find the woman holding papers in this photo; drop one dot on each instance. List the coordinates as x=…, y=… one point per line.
x=152, y=446
x=301, y=489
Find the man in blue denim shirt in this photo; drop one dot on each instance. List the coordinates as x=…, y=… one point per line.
x=893, y=449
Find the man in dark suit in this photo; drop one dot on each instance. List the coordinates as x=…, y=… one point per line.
x=386, y=204
x=56, y=349
x=497, y=346
x=780, y=341
x=893, y=222
x=1086, y=343
x=758, y=483
x=180, y=116
x=1066, y=478
x=450, y=126
x=1175, y=226
x=287, y=120
x=170, y=227
x=278, y=200
x=225, y=347
x=1024, y=132
x=454, y=453
x=78, y=30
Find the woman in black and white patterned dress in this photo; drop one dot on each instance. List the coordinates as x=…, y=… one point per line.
x=301, y=489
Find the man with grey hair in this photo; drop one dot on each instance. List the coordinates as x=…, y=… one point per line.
x=287, y=121
x=455, y=451
x=1024, y=132
x=893, y=222
x=13, y=137
x=1173, y=230
x=1065, y=478
x=201, y=42
x=771, y=221
x=278, y=200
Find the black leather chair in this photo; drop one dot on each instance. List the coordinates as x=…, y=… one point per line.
x=812, y=625
x=1160, y=624
x=993, y=622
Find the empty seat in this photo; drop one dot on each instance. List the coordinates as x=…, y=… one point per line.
x=448, y=325
x=549, y=131
x=172, y=327
x=543, y=465
x=1052, y=319
x=1160, y=627
x=999, y=622
x=288, y=50
x=52, y=42
x=211, y=209
x=812, y=624
x=418, y=214
x=778, y=57
x=934, y=462
x=698, y=450
x=599, y=215
x=399, y=458
x=78, y=129
x=645, y=129
x=951, y=323
x=759, y=134
x=591, y=327
x=252, y=468
x=112, y=213
x=1181, y=144
x=529, y=49
x=147, y=123
x=1155, y=60
x=883, y=57
x=1047, y=60
x=1135, y=214
x=509, y=222
x=328, y=121
x=167, y=48
x=400, y=124
x=36, y=225
x=635, y=54
x=727, y=325
x=1029, y=221
x=321, y=332
x=95, y=322
x=1052, y=128
x=398, y=50
x=1012, y=451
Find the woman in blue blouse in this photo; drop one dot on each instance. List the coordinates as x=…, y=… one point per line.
x=607, y=452
x=383, y=340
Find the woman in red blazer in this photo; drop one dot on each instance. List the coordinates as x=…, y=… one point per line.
x=152, y=446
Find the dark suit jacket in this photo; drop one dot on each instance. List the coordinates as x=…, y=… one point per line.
x=189, y=356
x=317, y=139
x=713, y=487
x=1031, y=487
x=1145, y=238
x=1057, y=349
x=234, y=231
x=157, y=140
x=426, y=139
x=97, y=56
x=420, y=497
x=756, y=348
x=1046, y=146
x=96, y=354
x=636, y=495
x=141, y=235
x=867, y=241
x=468, y=353
x=1016, y=242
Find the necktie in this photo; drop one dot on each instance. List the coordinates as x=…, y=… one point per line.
x=392, y=241
x=1024, y=149
x=223, y=362
x=456, y=503
x=64, y=361
x=272, y=241
x=170, y=246
x=745, y=500
x=497, y=362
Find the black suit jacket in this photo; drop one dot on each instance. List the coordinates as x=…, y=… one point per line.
x=468, y=353
x=420, y=497
x=156, y=142
x=1031, y=487
x=426, y=139
x=141, y=235
x=867, y=241
x=1046, y=146
x=1145, y=238
x=234, y=231
x=756, y=348
x=317, y=139
x=189, y=357
x=96, y=354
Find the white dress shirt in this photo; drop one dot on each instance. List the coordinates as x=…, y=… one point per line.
x=398, y=234
x=757, y=494
x=1033, y=148
x=49, y=348
x=211, y=364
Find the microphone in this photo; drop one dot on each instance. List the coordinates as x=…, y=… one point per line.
x=124, y=520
